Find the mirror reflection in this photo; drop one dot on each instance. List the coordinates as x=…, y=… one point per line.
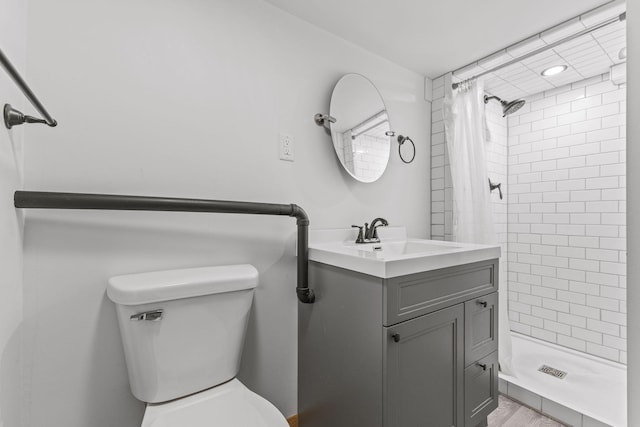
x=359, y=133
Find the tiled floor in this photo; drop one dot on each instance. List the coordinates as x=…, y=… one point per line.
x=513, y=414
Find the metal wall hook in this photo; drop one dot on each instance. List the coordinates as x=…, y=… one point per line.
x=322, y=119
x=13, y=117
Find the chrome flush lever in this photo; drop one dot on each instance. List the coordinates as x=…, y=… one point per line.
x=154, y=315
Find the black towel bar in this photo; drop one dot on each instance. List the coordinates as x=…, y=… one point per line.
x=13, y=117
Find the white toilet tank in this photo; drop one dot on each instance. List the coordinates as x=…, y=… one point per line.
x=182, y=330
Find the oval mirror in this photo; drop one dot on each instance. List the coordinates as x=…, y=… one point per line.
x=359, y=133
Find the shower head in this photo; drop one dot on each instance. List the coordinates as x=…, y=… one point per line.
x=507, y=107
x=512, y=107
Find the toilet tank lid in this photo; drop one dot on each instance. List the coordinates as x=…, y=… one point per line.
x=143, y=288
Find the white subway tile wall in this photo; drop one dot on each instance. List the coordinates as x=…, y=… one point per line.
x=561, y=162
x=440, y=179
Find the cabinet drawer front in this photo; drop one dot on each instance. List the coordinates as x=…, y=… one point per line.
x=480, y=389
x=423, y=377
x=411, y=296
x=481, y=327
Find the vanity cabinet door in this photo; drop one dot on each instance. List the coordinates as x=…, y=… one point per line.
x=423, y=377
x=481, y=327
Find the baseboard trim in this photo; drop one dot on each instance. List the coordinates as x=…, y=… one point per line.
x=293, y=420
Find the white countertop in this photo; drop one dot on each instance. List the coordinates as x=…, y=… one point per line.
x=395, y=255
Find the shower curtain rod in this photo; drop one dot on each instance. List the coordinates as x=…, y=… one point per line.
x=51, y=200
x=619, y=18
x=28, y=93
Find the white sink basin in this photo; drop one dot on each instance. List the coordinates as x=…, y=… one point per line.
x=395, y=255
x=403, y=247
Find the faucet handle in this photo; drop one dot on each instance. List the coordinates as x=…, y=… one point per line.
x=360, y=238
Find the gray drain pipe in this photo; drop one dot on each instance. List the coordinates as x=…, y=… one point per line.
x=51, y=200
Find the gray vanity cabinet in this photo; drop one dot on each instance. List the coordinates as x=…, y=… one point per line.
x=410, y=351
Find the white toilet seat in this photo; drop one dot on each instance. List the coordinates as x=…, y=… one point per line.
x=228, y=405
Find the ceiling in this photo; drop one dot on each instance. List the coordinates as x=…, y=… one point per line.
x=435, y=37
x=586, y=56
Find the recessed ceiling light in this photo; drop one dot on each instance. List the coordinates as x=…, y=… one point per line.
x=552, y=71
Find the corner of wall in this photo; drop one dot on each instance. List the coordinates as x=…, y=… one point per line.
x=439, y=162
x=428, y=89
x=13, y=36
x=633, y=203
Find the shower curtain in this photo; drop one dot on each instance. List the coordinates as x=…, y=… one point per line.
x=464, y=121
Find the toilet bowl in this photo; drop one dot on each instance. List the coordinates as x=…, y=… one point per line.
x=227, y=405
x=182, y=333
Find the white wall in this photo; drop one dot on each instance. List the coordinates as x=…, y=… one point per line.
x=633, y=211
x=13, y=44
x=187, y=99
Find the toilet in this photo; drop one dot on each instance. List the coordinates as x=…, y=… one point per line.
x=183, y=333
